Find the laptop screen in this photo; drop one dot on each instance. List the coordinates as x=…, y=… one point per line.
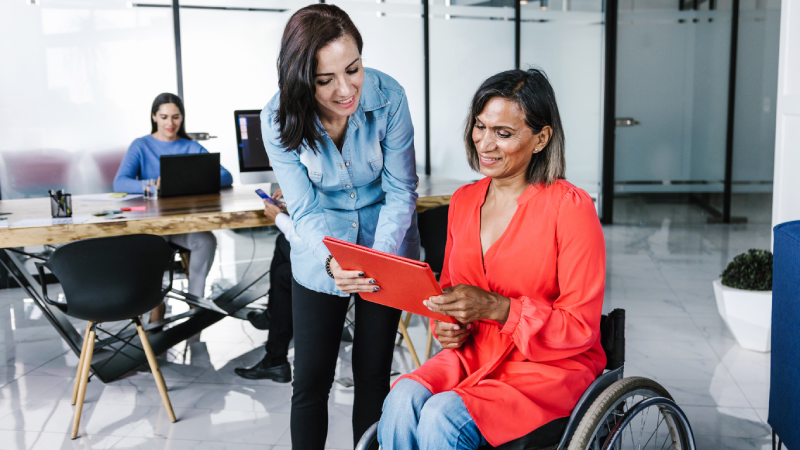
x=252, y=155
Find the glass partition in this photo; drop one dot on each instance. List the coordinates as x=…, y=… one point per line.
x=229, y=63
x=467, y=45
x=566, y=40
x=754, y=117
x=392, y=34
x=76, y=87
x=672, y=104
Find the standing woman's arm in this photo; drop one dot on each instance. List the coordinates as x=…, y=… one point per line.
x=300, y=195
x=399, y=179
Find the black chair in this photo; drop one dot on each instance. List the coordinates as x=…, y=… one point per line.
x=433, y=235
x=611, y=409
x=106, y=280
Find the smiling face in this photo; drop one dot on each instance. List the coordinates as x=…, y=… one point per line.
x=505, y=144
x=338, y=79
x=168, y=121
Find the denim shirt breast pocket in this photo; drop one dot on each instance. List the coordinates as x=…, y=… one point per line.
x=316, y=179
x=376, y=165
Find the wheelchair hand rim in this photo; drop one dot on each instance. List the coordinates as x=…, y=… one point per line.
x=671, y=408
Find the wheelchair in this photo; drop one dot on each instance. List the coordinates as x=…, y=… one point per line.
x=614, y=413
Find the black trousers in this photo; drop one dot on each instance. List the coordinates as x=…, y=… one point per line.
x=280, y=303
x=318, y=323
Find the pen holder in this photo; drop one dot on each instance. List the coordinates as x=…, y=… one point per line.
x=61, y=206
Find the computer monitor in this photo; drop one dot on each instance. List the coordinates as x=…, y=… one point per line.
x=254, y=165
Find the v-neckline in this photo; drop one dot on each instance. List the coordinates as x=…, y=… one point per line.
x=480, y=226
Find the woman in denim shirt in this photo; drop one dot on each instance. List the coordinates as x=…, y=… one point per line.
x=341, y=142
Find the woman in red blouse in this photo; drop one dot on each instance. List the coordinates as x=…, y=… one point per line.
x=524, y=274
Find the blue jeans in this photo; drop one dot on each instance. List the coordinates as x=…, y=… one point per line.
x=413, y=418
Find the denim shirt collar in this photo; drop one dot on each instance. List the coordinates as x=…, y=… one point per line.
x=371, y=99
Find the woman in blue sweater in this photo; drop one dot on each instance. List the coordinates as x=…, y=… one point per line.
x=142, y=161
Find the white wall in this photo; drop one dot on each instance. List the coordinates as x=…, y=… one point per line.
x=786, y=194
x=77, y=80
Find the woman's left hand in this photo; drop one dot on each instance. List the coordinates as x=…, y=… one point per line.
x=352, y=281
x=469, y=304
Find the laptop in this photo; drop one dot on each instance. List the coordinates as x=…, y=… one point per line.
x=192, y=174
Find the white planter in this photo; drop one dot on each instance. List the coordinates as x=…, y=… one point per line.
x=748, y=315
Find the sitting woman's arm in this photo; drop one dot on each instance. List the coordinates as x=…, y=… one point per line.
x=540, y=330
x=128, y=172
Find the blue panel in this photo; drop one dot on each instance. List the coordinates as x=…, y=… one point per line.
x=784, y=395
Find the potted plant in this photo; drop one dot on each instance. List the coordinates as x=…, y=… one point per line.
x=744, y=299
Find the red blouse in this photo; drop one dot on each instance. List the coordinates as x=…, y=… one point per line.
x=550, y=262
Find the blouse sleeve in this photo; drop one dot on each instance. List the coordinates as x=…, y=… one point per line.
x=398, y=180
x=571, y=325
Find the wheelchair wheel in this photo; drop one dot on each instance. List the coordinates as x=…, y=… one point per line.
x=633, y=414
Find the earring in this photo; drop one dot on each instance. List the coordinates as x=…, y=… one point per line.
x=536, y=150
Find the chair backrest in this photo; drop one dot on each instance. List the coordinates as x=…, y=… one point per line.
x=114, y=278
x=612, y=338
x=433, y=235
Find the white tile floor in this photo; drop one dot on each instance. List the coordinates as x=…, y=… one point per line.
x=660, y=273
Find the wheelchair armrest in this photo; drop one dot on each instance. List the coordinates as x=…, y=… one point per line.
x=59, y=305
x=368, y=437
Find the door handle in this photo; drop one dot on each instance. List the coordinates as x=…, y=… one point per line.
x=626, y=122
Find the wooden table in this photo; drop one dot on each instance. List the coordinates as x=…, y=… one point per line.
x=235, y=207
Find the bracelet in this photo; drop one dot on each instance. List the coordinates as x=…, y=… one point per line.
x=328, y=265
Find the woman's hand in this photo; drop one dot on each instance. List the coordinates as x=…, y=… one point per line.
x=352, y=281
x=277, y=197
x=469, y=304
x=271, y=211
x=452, y=335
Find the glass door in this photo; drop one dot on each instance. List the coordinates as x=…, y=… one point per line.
x=671, y=111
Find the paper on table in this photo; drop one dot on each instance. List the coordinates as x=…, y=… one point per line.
x=105, y=198
x=46, y=222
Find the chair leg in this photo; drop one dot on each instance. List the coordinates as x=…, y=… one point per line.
x=407, y=320
x=80, y=363
x=429, y=344
x=409, y=344
x=84, y=378
x=151, y=360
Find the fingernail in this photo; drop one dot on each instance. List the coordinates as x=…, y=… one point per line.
x=361, y=274
x=456, y=328
x=375, y=289
x=372, y=281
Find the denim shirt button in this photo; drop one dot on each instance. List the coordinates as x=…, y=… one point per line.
x=354, y=225
x=352, y=195
x=347, y=163
x=347, y=185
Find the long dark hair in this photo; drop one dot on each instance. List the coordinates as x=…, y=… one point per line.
x=163, y=99
x=531, y=91
x=310, y=29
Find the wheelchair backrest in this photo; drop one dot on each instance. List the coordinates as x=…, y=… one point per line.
x=612, y=338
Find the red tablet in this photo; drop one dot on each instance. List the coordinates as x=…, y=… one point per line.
x=404, y=282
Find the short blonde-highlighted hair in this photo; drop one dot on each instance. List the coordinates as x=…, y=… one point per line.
x=531, y=91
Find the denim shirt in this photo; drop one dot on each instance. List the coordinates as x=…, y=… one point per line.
x=366, y=194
